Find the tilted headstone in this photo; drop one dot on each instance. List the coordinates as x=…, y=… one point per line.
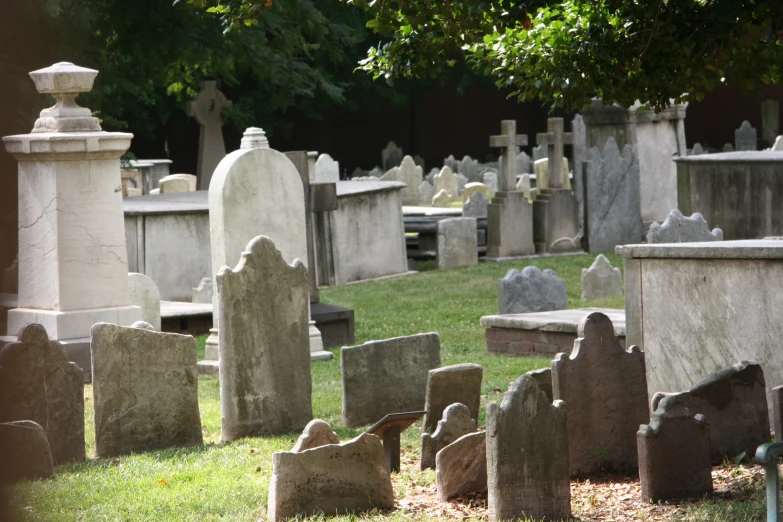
x=442, y=199
x=391, y=156
x=523, y=184
x=476, y=206
x=38, y=383
x=457, y=421
x=265, y=384
x=734, y=401
x=523, y=163
x=778, y=145
x=541, y=168
x=145, y=389
x=605, y=389
x=327, y=169
x=447, y=180
x=770, y=120
x=144, y=294
x=527, y=455
x=332, y=479
x=457, y=383
x=601, y=279
x=426, y=193
x=531, y=290
x=469, y=168
x=461, y=467
x=206, y=108
x=203, y=292
x=24, y=452
x=409, y=173
x=745, y=138
x=674, y=455
x=389, y=376
x=470, y=188
x=317, y=433
x=677, y=228
x=614, y=212
x=490, y=179
x=456, y=242
x=461, y=182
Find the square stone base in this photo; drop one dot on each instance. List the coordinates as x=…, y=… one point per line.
x=556, y=221
x=73, y=324
x=509, y=225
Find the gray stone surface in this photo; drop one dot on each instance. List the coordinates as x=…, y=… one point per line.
x=523, y=184
x=680, y=229
x=144, y=294
x=450, y=162
x=556, y=221
x=523, y=163
x=566, y=321
x=469, y=168
x=674, y=455
x=327, y=169
x=461, y=182
x=697, y=149
x=490, y=179
x=613, y=211
x=338, y=478
x=579, y=130
x=317, y=433
x=446, y=180
x=445, y=386
x=388, y=376
x=509, y=226
x=203, y=292
x=601, y=279
x=265, y=386
x=442, y=199
x=734, y=401
x=605, y=389
x=206, y=109
x=426, y=193
x=539, y=152
x=461, y=467
x=391, y=156
x=457, y=421
x=456, y=242
x=527, y=455
x=778, y=145
x=145, y=390
x=531, y=290
x=409, y=173
x=38, y=383
x=745, y=138
x=543, y=377
x=24, y=452
x=476, y=206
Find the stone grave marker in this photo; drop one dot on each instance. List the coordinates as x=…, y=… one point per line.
x=447, y=180
x=728, y=147
x=543, y=377
x=745, y=138
x=376, y=173
x=461, y=182
x=734, y=401
x=470, y=188
x=441, y=200
x=527, y=455
x=450, y=162
x=476, y=205
x=265, y=386
x=697, y=150
x=541, y=168
x=388, y=376
x=457, y=421
x=426, y=193
x=539, y=152
x=461, y=467
x=430, y=178
x=145, y=388
x=770, y=120
x=445, y=386
x=456, y=242
x=409, y=173
x=327, y=169
x=24, y=452
x=203, y=292
x=531, y=290
x=579, y=148
x=391, y=156
x=206, y=108
x=418, y=160
x=144, y=294
x=677, y=228
x=37, y=383
x=177, y=183
x=778, y=145
x=317, y=433
x=490, y=180
x=523, y=184
x=469, y=168
x=601, y=279
x=605, y=389
x=523, y=163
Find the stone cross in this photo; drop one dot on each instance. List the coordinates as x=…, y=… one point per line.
x=206, y=108
x=508, y=141
x=554, y=139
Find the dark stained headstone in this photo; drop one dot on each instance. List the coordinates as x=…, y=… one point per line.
x=24, y=452
x=445, y=386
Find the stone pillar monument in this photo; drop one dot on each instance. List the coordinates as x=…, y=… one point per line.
x=206, y=108
x=73, y=268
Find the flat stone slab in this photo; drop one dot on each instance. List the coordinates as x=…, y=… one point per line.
x=739, y=249
x=183, y=309
x=408, y=211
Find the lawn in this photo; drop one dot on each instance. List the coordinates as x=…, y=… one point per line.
x=229, y=481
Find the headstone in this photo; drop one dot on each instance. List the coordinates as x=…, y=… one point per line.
x=613, y=212
x=674, y=456
x=426, y=193
x=456, y=242
x=327, y=169
x=376, y=173
x=527, y=455
x=448, y=385
x=10, y=278
x=359, y=173
x=543, y=377
x=457, y=421
x=38, y=383
x=441, y=200
x=332, y=479
x=470, y=188
x=175, y=185
x=745, y=138
x=206, y=108
x=144, y=294
x=778, y=145
x=523, y=163
x=418, y=160
x=447, y=180
x=430, y=178
x=490, y=180
x=680, y=229
x=409, y=173
x=728, y=147
x=461, y=467
x=541, y=168
x=605, y=389
x=145, y=389
x=469, y=168
x=203, y=292
x=523, y=184
x=697, y=149
x=734, y=401
x=475, y=206
x=579, y=130
x=317, y=433
x=389, y=376
x=531, y=290
x=601, y=279
x=24, y=452
x=461, y=182
x=391, y=156
x=770, y=120
x=450, y=162
x=265, y=386
x=539, y=152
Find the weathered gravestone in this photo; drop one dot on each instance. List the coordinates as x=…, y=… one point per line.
x=734, y=401
x=697, y=150
x=677, y=228
x=469, y=168
x=145, y=387
x=476, y=206
x=778, y=145
x=531, y=290
x=426, y=193
x=441, y=200
x=177, y=183
x=728, y=147
x=470, y=188
x=605, y=389
x=447, y=180
x=203, y=292
x=410, y=174
x=579, y=130
x=461, y=467
x=265, y=386
x=144, y=294
x=490, y=180
x=541, y=168
x=206, y=108
x=539, y=152
x=389, y=376
x=457, y=421
x=745, y=138
x=456, y=242
x=450, y=162
x=419, y=161
x=333, y=479
x=327, y=169
x=612, y=206
x=24, y=452
x=523, y=163
x=601, y=279
x=543, y=377
x=457, y=383
x=317, y=433
x=674, y=455
x=523, y=184
x=527, y=455
x=391, y=156
x=38, y=383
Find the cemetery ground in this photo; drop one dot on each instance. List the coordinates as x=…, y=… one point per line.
x=229, y=481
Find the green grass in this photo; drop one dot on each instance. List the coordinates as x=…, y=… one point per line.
x=230, y=481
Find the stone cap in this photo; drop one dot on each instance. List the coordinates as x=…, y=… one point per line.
x=65, y=81
x=739, y=249
x=565, y=321
x=254, y=138
x=350, y=188
x=734, y=157
x=68, y=145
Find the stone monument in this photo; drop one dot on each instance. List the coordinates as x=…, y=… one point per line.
x=206, y=108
